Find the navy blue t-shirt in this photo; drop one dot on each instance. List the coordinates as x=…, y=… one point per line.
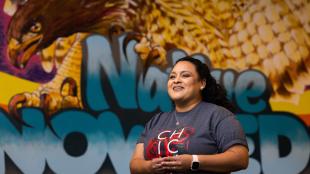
x=206, y=129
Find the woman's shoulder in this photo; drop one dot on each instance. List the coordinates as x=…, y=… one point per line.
x=215, y=109
x=162, y=114
x=159, y=117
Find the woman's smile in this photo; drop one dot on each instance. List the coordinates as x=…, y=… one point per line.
x=177, y=88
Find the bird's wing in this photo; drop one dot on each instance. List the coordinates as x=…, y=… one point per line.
x=274, y=38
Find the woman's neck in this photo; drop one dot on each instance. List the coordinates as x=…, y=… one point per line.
x=186, y=106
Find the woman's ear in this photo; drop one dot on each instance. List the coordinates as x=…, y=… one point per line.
x=203, y=84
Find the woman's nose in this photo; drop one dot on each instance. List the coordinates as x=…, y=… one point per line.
x=177, y=79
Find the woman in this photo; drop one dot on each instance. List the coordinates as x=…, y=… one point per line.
x=199, y=135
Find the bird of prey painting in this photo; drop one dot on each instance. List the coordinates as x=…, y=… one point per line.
x=265, y=35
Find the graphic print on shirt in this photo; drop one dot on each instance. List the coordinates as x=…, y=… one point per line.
x=169, y=143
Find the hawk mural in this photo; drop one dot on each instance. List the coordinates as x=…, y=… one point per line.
x=269, y=36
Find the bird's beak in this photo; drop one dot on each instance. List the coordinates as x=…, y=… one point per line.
x=20, y=53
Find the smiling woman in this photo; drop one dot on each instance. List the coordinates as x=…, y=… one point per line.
x=200, y=135
x=184, y=86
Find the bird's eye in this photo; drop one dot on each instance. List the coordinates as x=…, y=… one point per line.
x=36, y=27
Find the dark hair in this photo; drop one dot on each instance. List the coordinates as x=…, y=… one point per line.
x=213, y=92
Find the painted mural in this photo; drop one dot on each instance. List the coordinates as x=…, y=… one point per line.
x=80, y=78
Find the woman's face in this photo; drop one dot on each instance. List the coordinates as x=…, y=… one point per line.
x=184, y=84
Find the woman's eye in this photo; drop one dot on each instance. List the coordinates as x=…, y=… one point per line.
x=186, y=75
x=171, y=77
